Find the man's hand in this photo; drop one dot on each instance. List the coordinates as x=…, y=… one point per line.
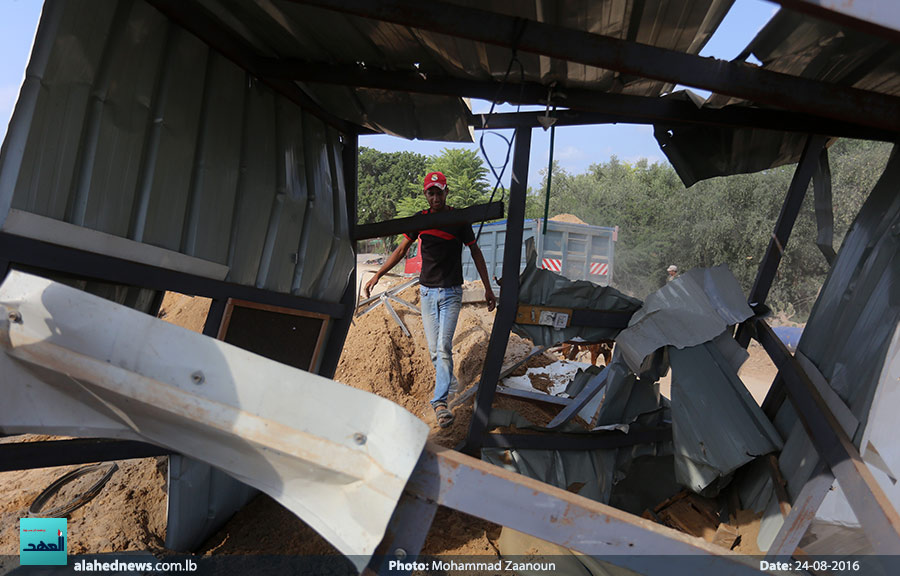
x=490, y=299
x=371, y=284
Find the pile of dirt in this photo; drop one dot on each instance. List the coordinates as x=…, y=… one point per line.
x=186, y=311
x=568, y=219
x=379, y=358
x=129, y=513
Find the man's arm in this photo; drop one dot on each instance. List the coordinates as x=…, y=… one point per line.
x=478, y=258
x=395, y=257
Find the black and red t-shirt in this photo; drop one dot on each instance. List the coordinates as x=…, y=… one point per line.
x=442, y=254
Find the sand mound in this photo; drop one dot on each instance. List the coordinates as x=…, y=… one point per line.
x=568, y=218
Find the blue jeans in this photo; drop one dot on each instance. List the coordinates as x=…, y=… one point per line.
x=440, y=311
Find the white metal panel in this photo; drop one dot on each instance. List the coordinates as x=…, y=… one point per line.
x=58, y=232
x=336, y=456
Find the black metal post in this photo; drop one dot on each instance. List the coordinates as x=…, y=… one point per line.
x=214, y=317
x=509, y=293
x=19, y=250
x=783, y=226
x=30, y=455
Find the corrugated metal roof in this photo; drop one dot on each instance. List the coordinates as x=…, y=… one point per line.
x=284, y=29
x=790, y=43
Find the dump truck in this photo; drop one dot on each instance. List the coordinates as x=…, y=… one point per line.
x=577, y=251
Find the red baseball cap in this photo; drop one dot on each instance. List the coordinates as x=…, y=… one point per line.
x=435, y=179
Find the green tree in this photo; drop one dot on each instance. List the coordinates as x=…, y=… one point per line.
x=385, y=180
x=466, y=176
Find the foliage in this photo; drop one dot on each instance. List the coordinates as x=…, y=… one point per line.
x=391, y=183
x=718, y=221
x=385, y=179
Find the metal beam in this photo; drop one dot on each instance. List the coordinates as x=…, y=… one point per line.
x=331, y=356
x=196, y=20
x=789, y=210
x=494, y=494
x=877, y=516
x=30, y=455
x=88, y=265
x=583, y=106
x=476, y=213
x=875, y=17
x=536, y=396
x=405, y=534
x=732, y=79
x=601, y=440
x=509, y=293
x=593, y=386
x=601, y=318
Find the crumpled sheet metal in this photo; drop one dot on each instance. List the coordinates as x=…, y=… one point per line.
x=75, y=364
x=701, y=151
x=594, y=469
x=849, y=338
x=694, y=308
x=539, y=287
x=631, y=404
x=717, y=427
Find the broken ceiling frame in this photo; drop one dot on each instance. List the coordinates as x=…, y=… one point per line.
x=733, y=79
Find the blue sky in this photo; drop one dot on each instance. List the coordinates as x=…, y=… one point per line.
x=576, y=148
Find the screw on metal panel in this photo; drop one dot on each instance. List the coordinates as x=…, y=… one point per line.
x=359, y=438
x=198, y=377
x=15, y=317
x=400, y=553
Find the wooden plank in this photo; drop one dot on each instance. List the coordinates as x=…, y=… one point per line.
x=452, y=479
x=543, y=316
x=726, y=535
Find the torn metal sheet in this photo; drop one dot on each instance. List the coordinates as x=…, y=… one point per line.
x=717, y=426
x=694, y=308
x=790, y=43
x=558, y=376
x=701, y=151
x=850, y=339
x=75, y=364
x=590, y=471
x=539, y=287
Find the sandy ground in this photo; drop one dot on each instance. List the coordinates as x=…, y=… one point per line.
x=129, y=514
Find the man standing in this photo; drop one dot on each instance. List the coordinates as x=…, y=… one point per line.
x=440, y=288
x=672, y=272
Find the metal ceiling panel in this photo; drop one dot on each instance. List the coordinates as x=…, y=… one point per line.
x=291, y=30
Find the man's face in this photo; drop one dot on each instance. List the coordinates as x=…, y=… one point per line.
x=436, y=198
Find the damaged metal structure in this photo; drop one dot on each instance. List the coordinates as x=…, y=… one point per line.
x=210, y=148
